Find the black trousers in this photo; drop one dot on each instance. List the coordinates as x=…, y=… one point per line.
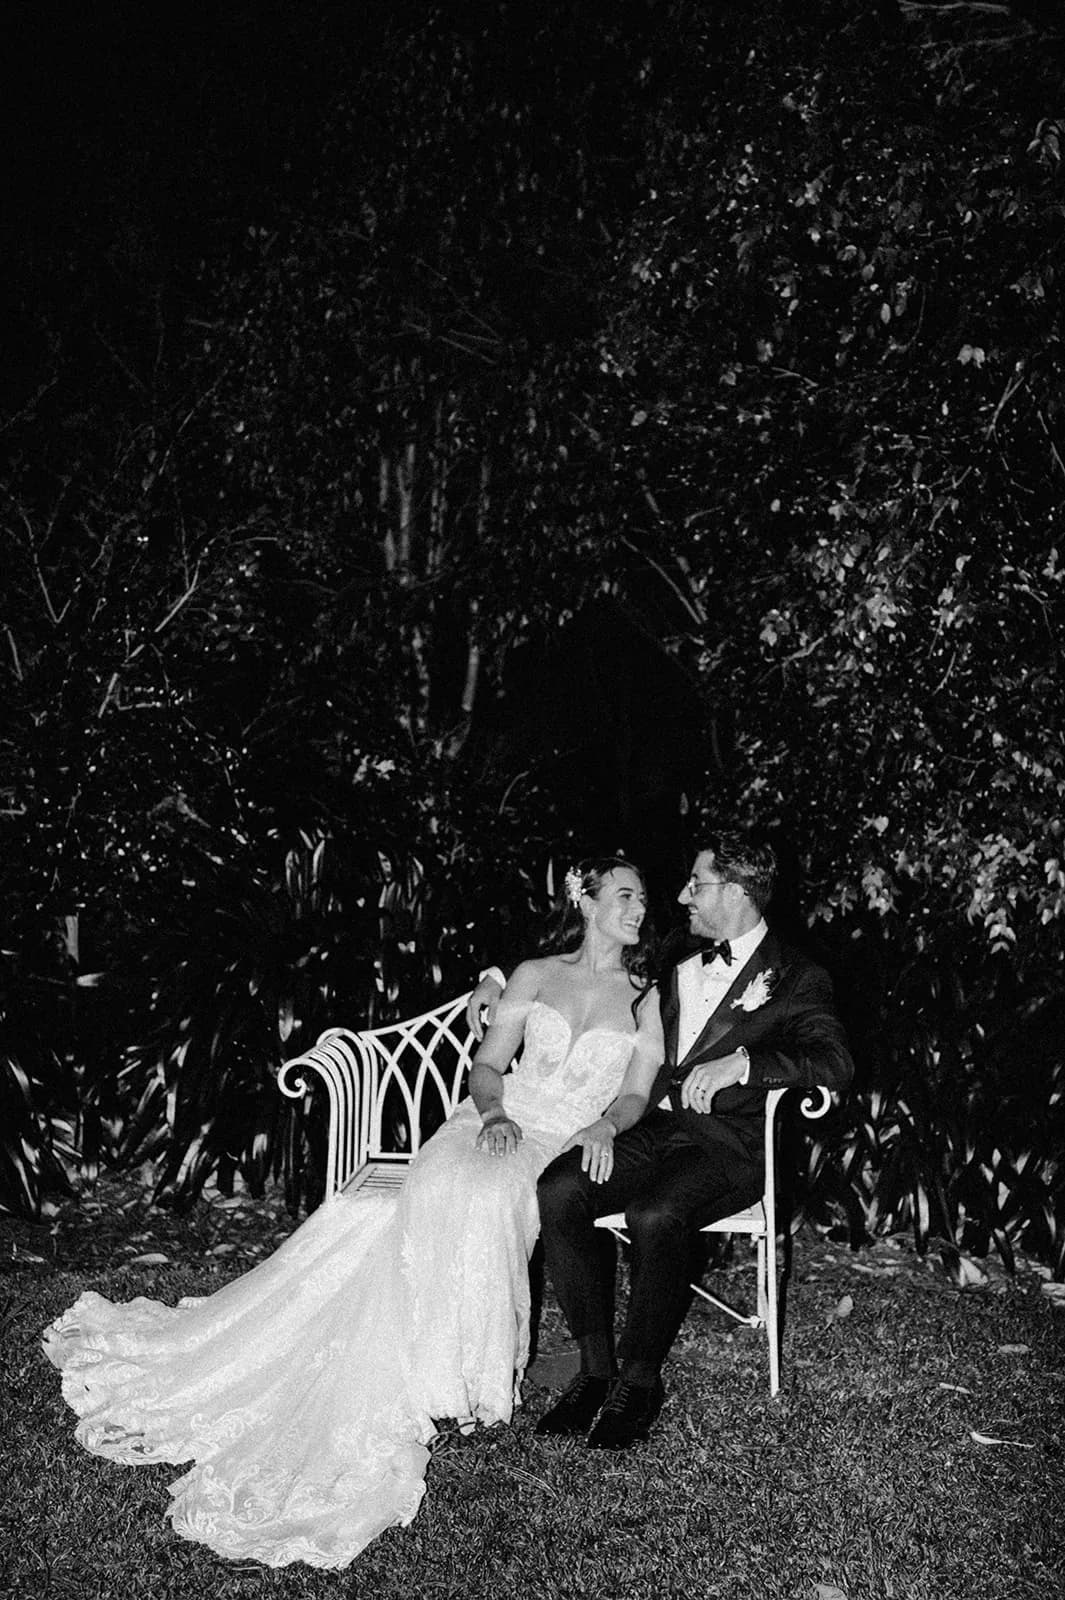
x=669, y=1184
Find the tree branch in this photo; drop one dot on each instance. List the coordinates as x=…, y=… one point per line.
x=690, y=604
x=17, y=416
x=15, y=655
x=132, y=655
x=915, y=7
x=1007, y=395
x=178, y=603
x=138, y=383
x=1053, y=447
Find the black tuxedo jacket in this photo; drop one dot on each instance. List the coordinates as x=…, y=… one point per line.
x=793, y=1038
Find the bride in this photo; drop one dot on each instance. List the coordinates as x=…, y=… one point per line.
x=305, y=1393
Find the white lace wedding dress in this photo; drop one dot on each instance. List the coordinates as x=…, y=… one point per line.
x=306, y=1392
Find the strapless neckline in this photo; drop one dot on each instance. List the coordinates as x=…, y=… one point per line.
x=618, y=1033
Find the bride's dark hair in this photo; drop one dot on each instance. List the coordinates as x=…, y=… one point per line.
x=566, y=929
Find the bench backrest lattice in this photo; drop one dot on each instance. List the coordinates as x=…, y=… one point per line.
x=388, y=1088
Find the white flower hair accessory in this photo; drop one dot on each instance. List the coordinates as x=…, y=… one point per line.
x=573, y=883
x=756, y=993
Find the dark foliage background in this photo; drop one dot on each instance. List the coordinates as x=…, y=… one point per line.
x=440, y=444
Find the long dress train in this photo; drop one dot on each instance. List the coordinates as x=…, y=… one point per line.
x=305, y=1392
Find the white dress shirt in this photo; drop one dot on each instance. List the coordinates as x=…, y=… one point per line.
x=701, y=988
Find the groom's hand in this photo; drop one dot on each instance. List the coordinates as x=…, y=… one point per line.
x=484, y=998
x=596, y=1141
x=704, y=1082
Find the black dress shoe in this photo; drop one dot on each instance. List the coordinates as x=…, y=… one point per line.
x=578, y=1407
x=627, y=1415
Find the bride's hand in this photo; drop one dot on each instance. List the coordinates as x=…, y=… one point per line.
x=597, y=1143
x=500, y=1137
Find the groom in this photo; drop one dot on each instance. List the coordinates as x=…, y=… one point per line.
x=743, y=1014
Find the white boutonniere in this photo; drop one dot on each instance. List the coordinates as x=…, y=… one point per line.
x=757, y=992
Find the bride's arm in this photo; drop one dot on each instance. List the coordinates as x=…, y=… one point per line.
x=629, y=1104
x=499, y=1133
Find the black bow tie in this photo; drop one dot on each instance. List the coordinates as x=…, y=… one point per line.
x=722, y=949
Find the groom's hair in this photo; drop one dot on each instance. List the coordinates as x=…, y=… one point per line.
x=744, y=861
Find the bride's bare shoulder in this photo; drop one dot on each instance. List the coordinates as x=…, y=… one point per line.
x=539, y=973
x=528, y=978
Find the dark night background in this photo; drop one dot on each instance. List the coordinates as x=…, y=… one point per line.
x=439, y=444
x=144, y=139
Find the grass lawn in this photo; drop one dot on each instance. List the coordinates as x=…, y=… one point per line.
x=864, y=1479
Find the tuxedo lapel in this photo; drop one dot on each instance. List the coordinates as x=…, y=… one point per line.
x=671, y=1012
x=767, y=958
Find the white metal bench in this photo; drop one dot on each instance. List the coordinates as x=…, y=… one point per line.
x=759, y=1222
x=390, y=1088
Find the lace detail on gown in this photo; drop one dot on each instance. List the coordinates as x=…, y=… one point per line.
x=305, y=1392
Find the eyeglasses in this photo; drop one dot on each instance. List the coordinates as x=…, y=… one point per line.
x=694, y=884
